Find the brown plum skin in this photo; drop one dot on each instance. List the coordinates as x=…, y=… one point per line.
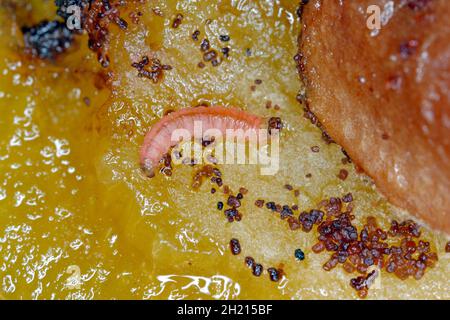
x=386, y=98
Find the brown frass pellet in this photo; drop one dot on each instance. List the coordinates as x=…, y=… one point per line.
x=122, y=23
x=235, y=246
x=301, y=97
x=358, y=250
x=243, y=190
x=226, y=52
x=347, y=198
x=217, y=172
x=150, y=68
x=343, y=174
x=195, y=35
x=271, y=205
x=209, y=55
x=274, y=123
x=233, y=202
x=257, y=269
x=249, y=262
x=259, y=203
x=204, y=45
x=215, y=62
x=232, y=215
x=286, y=212
x=308, y=220
x=299, y=254
x=294, y=224
x=177, y=21
x=361, y=284
x=274, y=274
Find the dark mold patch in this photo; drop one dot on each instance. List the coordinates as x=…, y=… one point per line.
x=47, y=39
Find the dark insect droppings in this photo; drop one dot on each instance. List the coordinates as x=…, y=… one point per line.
x=151, y=68
x=274, y=124
x=257, y=269
x=235, y=246
x=233, y=202
x=195, y=35
x=271, y=205
x=177, y=21
x=347, y=198
x=299, y=254
x=204, y=45
x=274, y=274
x=210, y=55
x=215, y=62
x=232, y=215
x=343, y=174
x=259, y=203
x=226, y=51
x=249, y=262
